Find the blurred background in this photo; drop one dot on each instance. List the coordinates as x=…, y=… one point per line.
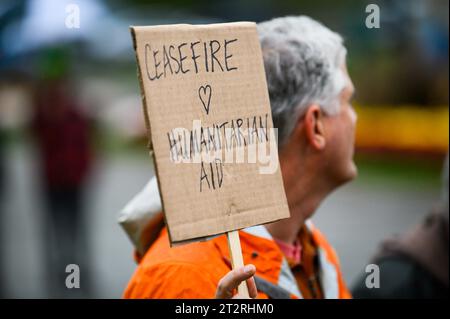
x=72, y=137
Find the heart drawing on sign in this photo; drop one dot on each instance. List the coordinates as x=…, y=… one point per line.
x=204, y=93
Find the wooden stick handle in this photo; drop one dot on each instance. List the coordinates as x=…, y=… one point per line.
x=236, y=259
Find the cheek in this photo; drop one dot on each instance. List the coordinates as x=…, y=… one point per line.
x=337, y=139
x=353, y=118
x=348, y=126
x=345, y=135
x=341, y=132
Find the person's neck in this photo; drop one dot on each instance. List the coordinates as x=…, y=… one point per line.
x=304, y=192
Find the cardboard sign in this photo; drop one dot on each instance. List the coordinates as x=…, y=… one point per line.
x=205, y=97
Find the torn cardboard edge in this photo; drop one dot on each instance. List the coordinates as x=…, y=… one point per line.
x=142, y=92
x=147, y=122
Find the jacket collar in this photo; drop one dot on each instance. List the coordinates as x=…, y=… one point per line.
x=259, y=248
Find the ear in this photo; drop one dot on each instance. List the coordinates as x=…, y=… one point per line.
x=314, y=127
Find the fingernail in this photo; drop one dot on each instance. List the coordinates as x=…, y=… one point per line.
x=248, y=269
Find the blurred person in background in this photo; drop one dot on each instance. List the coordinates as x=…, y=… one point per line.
x=415, y=263
x=61, y=130
x=310, y=93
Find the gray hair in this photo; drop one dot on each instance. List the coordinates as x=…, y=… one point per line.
x=302, y=60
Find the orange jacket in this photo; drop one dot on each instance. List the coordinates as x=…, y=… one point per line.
x=194, y=270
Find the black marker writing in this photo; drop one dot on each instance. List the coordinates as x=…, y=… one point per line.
x=181, y=58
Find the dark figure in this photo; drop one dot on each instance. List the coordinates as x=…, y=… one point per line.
x=414, y=264
x=62, y=134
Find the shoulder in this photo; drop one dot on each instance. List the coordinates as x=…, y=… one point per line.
x=188, y=271
x=171, y=280
x=197, y=253
x=400, y=277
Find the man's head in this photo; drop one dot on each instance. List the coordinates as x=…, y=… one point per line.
x=310, y=92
